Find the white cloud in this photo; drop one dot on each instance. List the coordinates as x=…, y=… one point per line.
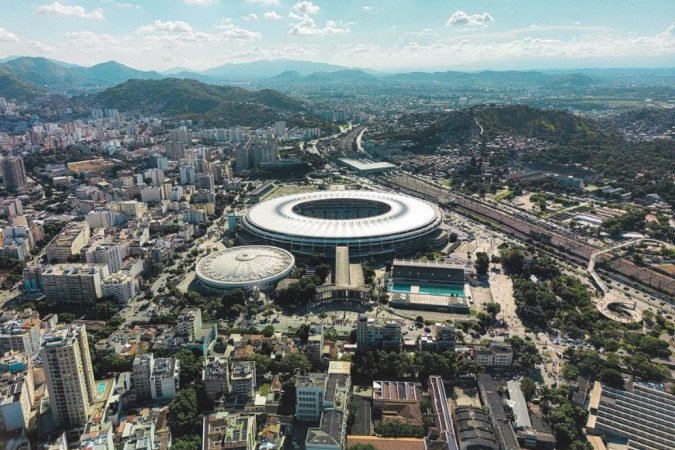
x=272, y=15
x=251, y=17
x=308, y=27
x=199, y=2
x=8, y=36
x=305, y=7
x=59, y=9
x=264, y=2
x=460, y=18
x=39, y=47
x=232, y=32
x=368, y=8
x=423, y=33
x=122, y=5
x=90, y=38
x=174, y=26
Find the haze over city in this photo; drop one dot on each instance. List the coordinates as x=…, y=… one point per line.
x=400, y=35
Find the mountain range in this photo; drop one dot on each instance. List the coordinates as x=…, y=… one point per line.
x=24, y=78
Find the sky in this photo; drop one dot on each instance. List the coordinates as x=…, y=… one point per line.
x=386, y=35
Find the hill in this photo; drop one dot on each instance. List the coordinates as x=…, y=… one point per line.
x=13, y=88
x=56, y=77
x=221, y=105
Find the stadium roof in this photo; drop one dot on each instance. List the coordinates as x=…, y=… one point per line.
x=244, y=266
x=404, y=214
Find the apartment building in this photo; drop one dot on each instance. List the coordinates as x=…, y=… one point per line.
x=374, y=333
x=243, y=379
x=216, y=377
x=309, y=396
x=227, y=430
x=68, y=243
x=74, y=284
x=164, y=379
x=68, y=371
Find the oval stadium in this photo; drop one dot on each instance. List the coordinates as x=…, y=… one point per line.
x=244, y=267
x=369, y=222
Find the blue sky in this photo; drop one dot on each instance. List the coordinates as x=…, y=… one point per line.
x=384, y=35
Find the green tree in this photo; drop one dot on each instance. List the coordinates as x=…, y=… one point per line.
x=482, y=263
x=292, y=362
x=612, y=378
x=184, y=417
x=529, y=388
x=268, y=331
x=322, y=271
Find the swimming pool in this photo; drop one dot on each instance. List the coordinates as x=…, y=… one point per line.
x=421, y=288
x=101, y=387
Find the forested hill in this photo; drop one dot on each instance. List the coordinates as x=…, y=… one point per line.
x=218, y=105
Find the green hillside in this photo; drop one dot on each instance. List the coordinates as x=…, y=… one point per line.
x=218, y=105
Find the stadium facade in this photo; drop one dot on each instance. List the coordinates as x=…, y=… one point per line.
x=370, y=223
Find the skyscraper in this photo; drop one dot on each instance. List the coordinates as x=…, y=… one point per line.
x=14, y=173
x=69, y=374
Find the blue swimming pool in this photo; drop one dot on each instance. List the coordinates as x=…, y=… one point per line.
x=101, y=387
x=448, y=291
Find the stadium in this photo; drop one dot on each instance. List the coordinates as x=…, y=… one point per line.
x=244, y=267
x=370, y=223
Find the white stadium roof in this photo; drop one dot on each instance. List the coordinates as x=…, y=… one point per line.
x=403, y=215
x=245, y=266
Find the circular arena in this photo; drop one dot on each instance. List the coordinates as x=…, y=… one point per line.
x=369, y=222
x=245, y=267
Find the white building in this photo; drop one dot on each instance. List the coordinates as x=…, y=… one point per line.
x=309, y=391
x=120, y=285
x=164, y=379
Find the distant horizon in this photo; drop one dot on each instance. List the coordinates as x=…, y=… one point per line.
x=380, y=35
x=175, y=70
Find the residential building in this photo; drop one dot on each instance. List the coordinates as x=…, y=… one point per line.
x=216, y=377
x=101, y=218
x=13, y=173
x=17, y=391
x=309, y=396
x=441, y=338
x=164, y=378
x=188, y=174
x=68, y=371
x=120, y=285
x=189, y=323
x=378, y=334
x=140, y=375
x=12, y=206
x=640, y=415
x=496, y=355
x=227, y=430
x=132, y=209
x=105, y=253
x=20, y=332
x=243, y=379
x=315, y=343
x=68, y=243
x=75, y=284
x=97, y=436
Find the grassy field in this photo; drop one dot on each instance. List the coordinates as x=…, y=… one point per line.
x=501, y=195
x=280, y=191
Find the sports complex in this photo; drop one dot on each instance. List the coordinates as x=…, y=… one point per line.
x=370, y=223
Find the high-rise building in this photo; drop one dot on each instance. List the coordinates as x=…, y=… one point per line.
x=109, y=254
x=243, y=379
x=13, y=173
x=206, y=181
x=216, y=377
x=228, y=430
x=74, y=284
x=140, y=375
x=70, y=378
x=309, y=392
x=17, y=391
x=119, y=285
x=378, y=334
x=264, y=152
x=12, y=206
x=20, y=332
x=164, y=379
x=188, y=175
x=315, y=343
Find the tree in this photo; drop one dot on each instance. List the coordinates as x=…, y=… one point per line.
x=322, y=271
x=292, y=362
x=525, y=353
x=190, y=365
x=184, y=417
x=303, y=333
x=482, y=263
x=190, y=442
x=529, y=388
x=493, y=309
x=362, y=447
x=513, y=260
x=612, y=378
x=268, y=331
x=104, y=310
